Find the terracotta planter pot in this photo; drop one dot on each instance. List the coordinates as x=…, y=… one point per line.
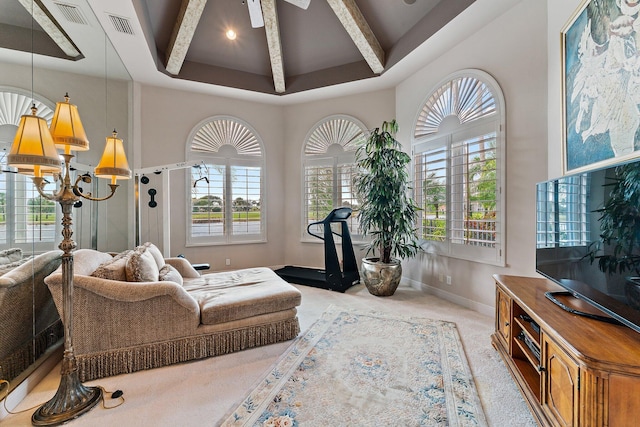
x=381, y=279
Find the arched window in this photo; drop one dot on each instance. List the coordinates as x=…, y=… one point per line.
x=329, y=168
x=227, y=188
x=27, y=220
x=458, y=159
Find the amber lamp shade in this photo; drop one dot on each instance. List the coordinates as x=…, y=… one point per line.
x=113, y=163
x=66, y=128
x=33, y=151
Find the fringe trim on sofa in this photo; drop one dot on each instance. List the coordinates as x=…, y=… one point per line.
x=149, y=356
x=22, y=357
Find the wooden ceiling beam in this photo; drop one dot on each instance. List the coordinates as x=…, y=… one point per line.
x=272, y=29
x=358, y=28
x=51, y=26
x=303, y=4
x=185, y=27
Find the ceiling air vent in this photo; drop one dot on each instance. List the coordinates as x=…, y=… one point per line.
x=71, y=13
x=122, y=25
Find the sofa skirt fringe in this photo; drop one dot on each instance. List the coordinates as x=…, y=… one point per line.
x=155, y=355
x=25, y=355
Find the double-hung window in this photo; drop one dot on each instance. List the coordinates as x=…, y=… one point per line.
x=329, y=169
x=458, y=161
x=226, y=185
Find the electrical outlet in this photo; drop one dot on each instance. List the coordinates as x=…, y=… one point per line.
x=227, y=261
x=448, y=280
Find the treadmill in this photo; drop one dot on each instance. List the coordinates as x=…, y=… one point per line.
x=332, y=277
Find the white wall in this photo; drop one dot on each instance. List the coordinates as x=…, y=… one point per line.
x=513, y=50
x=559, y=14
x=166, y=119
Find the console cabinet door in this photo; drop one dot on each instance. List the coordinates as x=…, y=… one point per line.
x=503, y=317
x=560, y=392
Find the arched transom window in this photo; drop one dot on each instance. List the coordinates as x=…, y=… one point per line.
x=458, y=159
x=329, y=168
x=227, y=188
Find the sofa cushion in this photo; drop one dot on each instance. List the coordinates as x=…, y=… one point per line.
x=5, y=268
x=171, y=274
x=141, y=266
x=157, y=255
x=115, y=268
x=234, y=295
x=8, y=256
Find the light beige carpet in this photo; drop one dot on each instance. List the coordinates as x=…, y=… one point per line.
x=201, y=393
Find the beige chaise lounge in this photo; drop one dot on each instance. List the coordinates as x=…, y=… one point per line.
x=122, y=326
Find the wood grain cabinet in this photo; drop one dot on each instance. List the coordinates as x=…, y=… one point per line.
x=571, y=370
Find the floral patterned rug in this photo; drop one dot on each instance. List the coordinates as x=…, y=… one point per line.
x=367, y=369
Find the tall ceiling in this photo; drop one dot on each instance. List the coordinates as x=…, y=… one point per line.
x=303, y=46
x=295, y=49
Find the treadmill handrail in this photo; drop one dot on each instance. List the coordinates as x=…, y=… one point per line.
x=329, y=219
x=311, y=232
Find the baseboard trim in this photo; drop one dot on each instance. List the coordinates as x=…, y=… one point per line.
x=456, y=299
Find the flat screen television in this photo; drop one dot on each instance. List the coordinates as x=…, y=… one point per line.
x=569, y=225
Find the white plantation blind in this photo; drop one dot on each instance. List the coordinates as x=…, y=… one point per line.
x=563, y=204
x=458, y=160
x=465, y=97
x=431, y=193
x=329, y=169
x=227, y=189
x=473, y=191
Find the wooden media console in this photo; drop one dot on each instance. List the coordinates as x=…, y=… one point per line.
x=571, y=370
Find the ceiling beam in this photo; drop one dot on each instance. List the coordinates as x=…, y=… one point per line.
x=186, y=23
x=352, y=20
x=51, y=26
x=303, y=4
x=272, y=29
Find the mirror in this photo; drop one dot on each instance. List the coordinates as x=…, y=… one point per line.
x=32, y=69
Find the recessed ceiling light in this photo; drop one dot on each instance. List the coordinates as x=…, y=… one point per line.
x=231, y=35
x=409, y=1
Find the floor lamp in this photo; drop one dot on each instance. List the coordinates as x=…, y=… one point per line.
x=34, y=153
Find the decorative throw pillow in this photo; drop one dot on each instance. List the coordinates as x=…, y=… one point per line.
x=141, y=266
x=10, y=255
x=115, y=268
x=170, y=274
x=157, y=255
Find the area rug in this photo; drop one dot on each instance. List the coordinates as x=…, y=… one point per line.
x=367, y=369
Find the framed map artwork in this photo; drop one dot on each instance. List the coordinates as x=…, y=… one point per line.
x=601, y=84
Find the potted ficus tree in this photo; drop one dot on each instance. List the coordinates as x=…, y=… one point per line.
x=618, y=248
x=387, y=212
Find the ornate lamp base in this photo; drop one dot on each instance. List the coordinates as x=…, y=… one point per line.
x=70, y=401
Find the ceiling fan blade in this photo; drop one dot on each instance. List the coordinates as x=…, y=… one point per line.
x=304, y=4
x=255, y=13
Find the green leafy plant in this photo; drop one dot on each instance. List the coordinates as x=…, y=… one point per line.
x=619, y=224
x=387, y=212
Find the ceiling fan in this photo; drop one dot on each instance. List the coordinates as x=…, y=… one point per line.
x=255, y=10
